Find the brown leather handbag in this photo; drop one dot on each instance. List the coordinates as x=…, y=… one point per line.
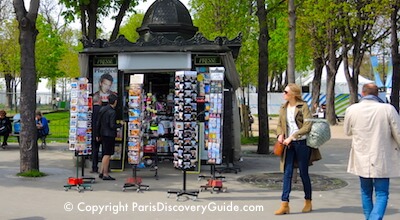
x=278, y=148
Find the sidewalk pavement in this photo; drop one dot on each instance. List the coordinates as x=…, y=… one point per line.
x=45, y=198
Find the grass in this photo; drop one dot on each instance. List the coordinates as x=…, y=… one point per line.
x=59, y=124
x=32, y=173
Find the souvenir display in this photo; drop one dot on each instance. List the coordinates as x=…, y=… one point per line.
x=80, y=132
x=135, y=123
x=211, y=88
x=185, y=116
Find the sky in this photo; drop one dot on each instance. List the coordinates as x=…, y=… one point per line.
x=108, y=23
x=145, y=5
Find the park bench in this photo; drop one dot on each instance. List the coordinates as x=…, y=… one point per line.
x=43, y=143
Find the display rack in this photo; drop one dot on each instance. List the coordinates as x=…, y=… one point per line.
x=183, y=192
x=80, y=132
x=135, y=181
x=211, y=94
x=135, y=117
x=78, y=182
x=185, y=129
x=86, y=179
x=213, y=182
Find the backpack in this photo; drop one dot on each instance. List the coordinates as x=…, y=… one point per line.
x=319, y=134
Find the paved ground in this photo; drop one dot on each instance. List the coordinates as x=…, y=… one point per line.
x=45, y=198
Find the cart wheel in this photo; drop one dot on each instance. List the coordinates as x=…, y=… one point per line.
x=66, y=189
x=138, y=190
x=147, y=188
x=92, y=181
x=194, y=198
x=224, y=190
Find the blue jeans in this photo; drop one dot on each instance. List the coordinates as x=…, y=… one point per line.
x=381, y=185
x=301, y=153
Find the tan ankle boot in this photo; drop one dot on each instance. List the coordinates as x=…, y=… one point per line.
x=284, y=209
x=307, y=206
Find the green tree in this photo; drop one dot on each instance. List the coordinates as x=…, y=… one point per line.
x=89, y=12
x=48, y=42
x=228, y=18
x=128, y=29
x=9, y=58
x=360, y=30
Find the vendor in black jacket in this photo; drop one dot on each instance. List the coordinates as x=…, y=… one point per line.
x=107, y=129
x=5, y=127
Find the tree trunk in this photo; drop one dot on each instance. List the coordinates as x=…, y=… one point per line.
x=330, y=94
x=92, y=16
x=83, y=21
x=118, y=19
x=316, y=83
x=9, y=92
x=351, y=80
x=263, y=128
x=29, y=157
x=394, y=96
x=16, y=101
x=292, y=42
x=332, y=67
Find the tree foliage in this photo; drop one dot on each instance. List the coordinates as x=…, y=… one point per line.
x=91, y=13
x=128, y=29
x=50, y=44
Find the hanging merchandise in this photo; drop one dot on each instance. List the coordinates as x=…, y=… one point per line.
x=211, y=88
x=80, y=131
x=134, y=124
x=185, y=125
x=185, y=128
x=134, y=136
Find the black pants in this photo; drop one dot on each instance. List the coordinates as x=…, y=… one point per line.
x=5, y=138
x=95, y=155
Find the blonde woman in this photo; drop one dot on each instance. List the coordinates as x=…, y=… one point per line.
x=292, y=131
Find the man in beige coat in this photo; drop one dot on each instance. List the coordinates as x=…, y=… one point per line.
x=375, y=151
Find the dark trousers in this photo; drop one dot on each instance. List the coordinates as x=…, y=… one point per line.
x=95, y=155
x=300, y=152
x=5, y=138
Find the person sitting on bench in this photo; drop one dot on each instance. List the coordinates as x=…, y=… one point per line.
x=42, y=126
x=5, y=127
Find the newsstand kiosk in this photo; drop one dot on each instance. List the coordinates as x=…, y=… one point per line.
x=176, y=91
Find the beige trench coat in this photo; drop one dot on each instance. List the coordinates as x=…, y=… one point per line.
x=301, y=112
x=375, y=132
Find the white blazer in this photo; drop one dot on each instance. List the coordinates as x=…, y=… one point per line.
x=375, y=131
